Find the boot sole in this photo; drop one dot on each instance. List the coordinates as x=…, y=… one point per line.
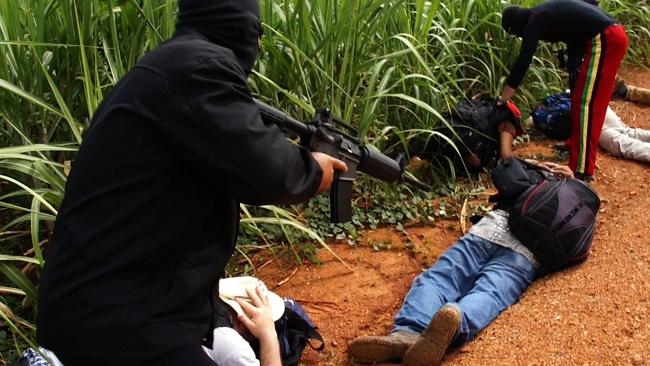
x=432, y=345
x=371, y=350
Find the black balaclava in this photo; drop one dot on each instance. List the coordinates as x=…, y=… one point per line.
x=514, y=19
x=234, y=24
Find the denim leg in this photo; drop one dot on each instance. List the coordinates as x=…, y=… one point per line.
x=450, y=277
x=500, y=283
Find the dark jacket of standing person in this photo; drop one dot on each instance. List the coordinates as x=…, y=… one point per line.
x=151, y=207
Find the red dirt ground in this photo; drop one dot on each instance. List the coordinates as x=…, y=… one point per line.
x=592, y=314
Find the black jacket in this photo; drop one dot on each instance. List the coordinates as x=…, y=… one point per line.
x=151, y=207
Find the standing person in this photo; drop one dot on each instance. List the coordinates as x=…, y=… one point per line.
x=579, y=24
x=479, y=276
x=151, y=207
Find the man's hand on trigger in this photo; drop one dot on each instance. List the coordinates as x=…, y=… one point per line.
x=328, y=164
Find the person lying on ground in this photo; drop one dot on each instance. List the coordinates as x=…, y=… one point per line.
x=480, y=275
x=619, y=139
x=151, y=207
x=631, y=93
x=580, y=25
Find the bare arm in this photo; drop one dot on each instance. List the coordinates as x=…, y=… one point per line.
x=507, y=134
x=259, y=321
x=270, y=352
x=508, y=92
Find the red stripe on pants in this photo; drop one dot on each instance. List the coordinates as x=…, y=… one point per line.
x=591, y=96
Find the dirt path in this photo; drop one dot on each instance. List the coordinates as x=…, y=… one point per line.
x=595, y=314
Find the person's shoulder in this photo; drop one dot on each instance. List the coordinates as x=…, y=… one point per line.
x=185, y=52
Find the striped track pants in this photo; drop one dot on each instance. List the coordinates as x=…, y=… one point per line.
x=591, y=95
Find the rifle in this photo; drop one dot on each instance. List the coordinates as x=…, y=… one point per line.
x=322, y=135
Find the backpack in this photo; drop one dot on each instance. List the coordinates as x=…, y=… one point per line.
x=552, y=215
x=553, y=116
x=295, y=330
x=474, y=129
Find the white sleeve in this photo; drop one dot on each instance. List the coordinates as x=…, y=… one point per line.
x=229, y=348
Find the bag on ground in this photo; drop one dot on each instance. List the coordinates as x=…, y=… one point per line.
x=295, y=331
x=552, y=215
x=553, y=116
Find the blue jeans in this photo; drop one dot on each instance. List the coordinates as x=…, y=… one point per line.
x=481, y=278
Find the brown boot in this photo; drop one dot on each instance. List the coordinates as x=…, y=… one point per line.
x=372, y=349
x=430, y=348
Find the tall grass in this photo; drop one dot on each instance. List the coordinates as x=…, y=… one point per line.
x=391, y=67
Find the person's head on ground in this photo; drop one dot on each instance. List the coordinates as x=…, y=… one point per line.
x=514, y=20
x=233, y=24
x=255, y=307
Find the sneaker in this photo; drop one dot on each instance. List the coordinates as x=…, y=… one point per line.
x=620, y=90
x=430, y=348
x=372, y=349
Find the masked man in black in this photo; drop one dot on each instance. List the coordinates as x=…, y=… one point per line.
x=151, y=207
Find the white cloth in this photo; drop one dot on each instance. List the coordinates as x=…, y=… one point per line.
x=44, y=358
x=620, y=140
x=229, y=348
x=494, y=227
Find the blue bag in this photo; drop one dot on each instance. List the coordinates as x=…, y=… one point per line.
x=553, y=116
x=295, y=330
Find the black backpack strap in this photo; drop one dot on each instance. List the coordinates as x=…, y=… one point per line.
x=512, y=176
x=312, y=333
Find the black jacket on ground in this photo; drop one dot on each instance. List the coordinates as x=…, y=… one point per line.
x=151, y=208
x=573, y=22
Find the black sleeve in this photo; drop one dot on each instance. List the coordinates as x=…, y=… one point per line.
x=530, y=40
x=226, y=137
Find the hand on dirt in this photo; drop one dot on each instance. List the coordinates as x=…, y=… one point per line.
x=257, y=315
x=328, y=164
